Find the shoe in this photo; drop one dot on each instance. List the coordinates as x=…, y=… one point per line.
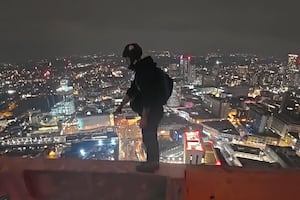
x=148, y=167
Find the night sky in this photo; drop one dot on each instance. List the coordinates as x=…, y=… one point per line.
x=40, y=28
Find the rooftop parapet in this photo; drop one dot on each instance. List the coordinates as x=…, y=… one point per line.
x=66, y=179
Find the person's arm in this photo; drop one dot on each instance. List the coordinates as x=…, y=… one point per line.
x=130, y=93
x=125, y=100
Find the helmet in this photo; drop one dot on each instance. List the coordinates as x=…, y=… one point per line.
x=133, y=51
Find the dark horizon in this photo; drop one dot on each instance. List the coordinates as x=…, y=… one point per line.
x=33, y=29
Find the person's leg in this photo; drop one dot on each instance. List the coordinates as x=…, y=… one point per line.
x=151, y=143
x=152, y=150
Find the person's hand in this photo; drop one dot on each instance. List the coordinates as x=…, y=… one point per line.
x=144, y=122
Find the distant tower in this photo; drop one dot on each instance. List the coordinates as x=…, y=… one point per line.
x=292, y=61
x=187, y=70
x=254, y=80
x=183, y=64
x=191, y=74
x=297, y=80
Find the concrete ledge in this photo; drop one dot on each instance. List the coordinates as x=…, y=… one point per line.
x=62, y=185
x=72, y=179
x=77, y=165
x=241, y=183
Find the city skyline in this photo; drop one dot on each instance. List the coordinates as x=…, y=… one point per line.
x=33, y=29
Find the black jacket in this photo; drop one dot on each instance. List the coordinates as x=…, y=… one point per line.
x=144, y=87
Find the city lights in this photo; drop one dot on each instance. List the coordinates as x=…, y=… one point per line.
x=219, y=104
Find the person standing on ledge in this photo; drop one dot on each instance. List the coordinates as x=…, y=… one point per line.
x=145, y=100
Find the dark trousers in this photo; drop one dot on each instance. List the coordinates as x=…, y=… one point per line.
x=149, y=134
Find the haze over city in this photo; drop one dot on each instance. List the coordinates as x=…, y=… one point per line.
x=36, y=29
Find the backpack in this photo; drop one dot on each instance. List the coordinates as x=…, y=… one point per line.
x=165, y=86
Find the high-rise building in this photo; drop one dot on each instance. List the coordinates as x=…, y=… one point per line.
x=187, y=70
x=183, y=64
x=192, y=74
x=297, y=80
x=260, y=118
x=285, y=98
x=282, y=124
x=254, y=80
x=242, y=70
x=218, y=106
x=66, y=105
x=292, y=61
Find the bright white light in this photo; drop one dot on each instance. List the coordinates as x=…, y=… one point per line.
x=100, y=142
x=82, y=152
x=113, y=141
x=11, y=91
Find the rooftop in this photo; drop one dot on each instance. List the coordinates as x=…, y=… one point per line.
x=288, y=155
x=248, y=163
x=287, y=119
x=224, y=126
x=267, y=133
x=259, y=109
x=199, y=112
x=245, y=149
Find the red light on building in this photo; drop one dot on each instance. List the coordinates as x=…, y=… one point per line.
x=47, y=73
x=188, y=104
x=189, y=57
x=218, y=163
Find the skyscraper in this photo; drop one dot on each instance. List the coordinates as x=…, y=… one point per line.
x=183, y=64
x=297, y=80
x=187, y=70
x=292, y=61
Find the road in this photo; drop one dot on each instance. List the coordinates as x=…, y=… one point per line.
x=38, y=140
x=172, y=155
